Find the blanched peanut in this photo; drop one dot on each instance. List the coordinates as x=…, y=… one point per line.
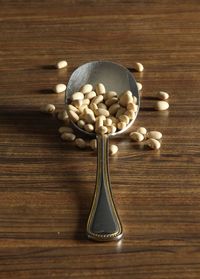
x=161, y=105
x=107, y=122
x=63, y=115
x=102, y=130
x=111, y=101
x=73, y=115
x=77, y=96
x=137, y=66
x=139, y=86
x=86, y=102
x=134, y=100
x=101, y=111
x=162, y=95
x=109, y=95
x=124, y=118
x=126, y=98
x=93, y=106
x=136, y=136
x=113, y=149
x=114, y=119
x=111, y=129
x=86, y=88
x=60, y=88
x=80, y=143
x=121, y=125
x=71, y=107
x=100, y=89
x=77, y=103
x=68, y=136
x=154, y=135
x=89, y=116
x=65, y=129
x=90, y=95
x=82, y=108
x=61, y=64
x=89, y=127
x=81, y=123
x=49, y=108
x=113, y=109
x=132, y=106
x=153, y=144
x=96, y=100
x=93, y=144
x=120, y=111
x=102, y=105
x=142, y=130
x=130, y=114
x=99, y=122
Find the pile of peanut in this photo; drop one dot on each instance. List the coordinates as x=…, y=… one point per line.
x=96, y=110
x=100, y=111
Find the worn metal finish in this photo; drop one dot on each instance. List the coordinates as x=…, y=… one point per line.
x=103, y=222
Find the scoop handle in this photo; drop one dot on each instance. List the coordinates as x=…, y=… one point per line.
x=103, y=221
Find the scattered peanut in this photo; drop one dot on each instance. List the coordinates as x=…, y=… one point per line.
x=113, y=149
x=161, y=105
x=136, y=136
x=63, y=115
x=61, y=64
x=154, y=135
x=65, y=129
x=68, y=136
x=153, y=144
x=49, y=108
x=142, y=130
x=93, y=144
x=81, y=143
x=60, y=88
x=137, y=66
x=162, y=95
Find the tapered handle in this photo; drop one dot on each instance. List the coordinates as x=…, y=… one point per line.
x=103, y=222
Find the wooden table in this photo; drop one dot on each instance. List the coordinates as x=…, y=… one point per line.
x=47, y=185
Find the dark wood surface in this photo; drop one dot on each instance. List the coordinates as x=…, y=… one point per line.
x=46, y=185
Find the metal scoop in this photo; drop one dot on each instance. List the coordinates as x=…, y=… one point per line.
x=103, y=221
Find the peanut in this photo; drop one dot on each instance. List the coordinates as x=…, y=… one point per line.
x=65, y=129
x=61, y=64
x=93, y=144
x=142, y=130
x=161, y=105
x=73, y=115
x=113, y=149
x=162, y=95
x=60, y=88
x=100, y=89
x=154, y=135
x=153, y=144
x=89, y=128
x=68, y=136
x=81, y=143
x=86, y=88
x=77, y=96
x=49, y=108
x=136, y=136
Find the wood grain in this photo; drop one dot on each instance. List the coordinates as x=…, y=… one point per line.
x=46, y=185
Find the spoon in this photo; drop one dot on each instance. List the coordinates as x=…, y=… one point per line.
x=103, y=221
